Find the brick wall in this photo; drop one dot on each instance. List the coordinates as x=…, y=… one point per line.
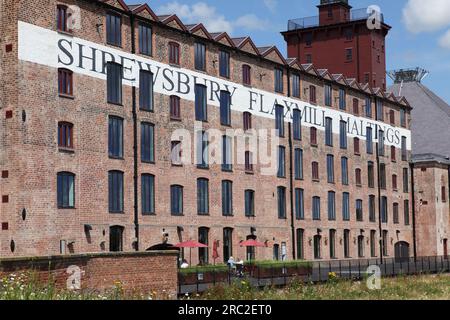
x=144, y=271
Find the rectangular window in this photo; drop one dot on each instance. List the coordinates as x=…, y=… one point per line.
x=175, y=109
x=379, y=107
x=174, y=53
x=372, y=217
x=330, y=168
x=227, y=153
x=300, y=244
x=114, y=82
x=385, y=243
x=115, y=183
x=247, y=75
x=392, y=117
x=404, y=150
x=383, y=176
x=279, y=120
x=394, y=182
x=356, y=107
x=405, y=180
x=65, y=82
x=329, y=132
x=147, y=142
x=346, y=206
x=393, y=154
x=403, y=118
x=281, y=191
x=176, y=200
x=308, y=58
x=145, y=39
x=201, y=112
x=249, y=203
x=343, y=135
x=247, y=121
x=313, y=136
x=281, y=162
x=65, y=135
x=359, y=210
x=279, y=80
x=443, y=194
x=176, y=155
x=316, y=208
x=315, y=171
x=297, y=124
x=312, y=94
x=333, y=244
x=344, y=170
x=224, y=64
x=358, y=177
x=114, y=29
x=308, y=39
x=66, y=190
x=395, y=213
x=384, y=210
x=298, y=164
x=371, y=174
x=202, y=150
x=328, y=95
x=356, y=147
x=61, y=18
x=296, y=85
x=369, y=140
x=203, y=196
x=299, y=204
x=349, y=54
x=115, y=137
x=342, y=99
x=368, y=107
x=148, y=194
x=381, y=143
x=248, y=162
x=146, y=90
x=200, y=56
x=227, y=198
x=406, y=212
x=331, y=206
x=225, y=108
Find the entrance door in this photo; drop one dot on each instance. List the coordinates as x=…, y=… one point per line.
x=116, y=238
x=401, y=252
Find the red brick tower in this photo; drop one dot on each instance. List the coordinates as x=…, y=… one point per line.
x=351, y=42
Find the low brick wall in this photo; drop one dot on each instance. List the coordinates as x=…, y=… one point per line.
x=151, y=271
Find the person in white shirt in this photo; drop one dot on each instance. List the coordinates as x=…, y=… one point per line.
x=184, y=264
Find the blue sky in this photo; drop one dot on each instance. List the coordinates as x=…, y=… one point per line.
x=420, y=34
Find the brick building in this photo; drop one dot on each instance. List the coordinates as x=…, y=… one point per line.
x=94, y=95
x=356, y=36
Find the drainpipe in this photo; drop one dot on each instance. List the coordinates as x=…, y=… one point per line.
x=379, y=197
x=135, y=146
x=291, y=176
x=413, y=205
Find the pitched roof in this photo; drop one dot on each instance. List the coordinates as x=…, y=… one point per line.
x=430, y=118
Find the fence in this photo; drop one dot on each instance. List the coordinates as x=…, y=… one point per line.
x=282, y=274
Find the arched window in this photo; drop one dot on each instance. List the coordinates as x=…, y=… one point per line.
x=66, y=190
x=65, y=135
x=116, y=238
x=65, y=82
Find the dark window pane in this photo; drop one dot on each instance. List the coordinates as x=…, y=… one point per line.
x=200, y=56
x=203, y=196
x=279, y=120
x=113, y=29
x=200, y=103
x=115, y=137
x=224, y=64
x=145, y=39
x=176, y=200
x=225, y=108
x=227, y=198
x=281, y=192
x=66, y=190
x=146, y=90
x=148, y=194
x=114, y=82
x=297, y=124
x=115, y=191
x=147, y=142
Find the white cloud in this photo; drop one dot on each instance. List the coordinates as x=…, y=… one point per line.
x=251, y=22
x=425, y=16
x=201, y=12
x=444, y=41
x=271, y=4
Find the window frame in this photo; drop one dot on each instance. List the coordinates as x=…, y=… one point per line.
x=65, y=82
x=63, y=181
x=65, y=135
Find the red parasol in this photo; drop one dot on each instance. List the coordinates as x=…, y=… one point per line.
x=191, y=244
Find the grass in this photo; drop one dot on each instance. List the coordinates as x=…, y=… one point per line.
x=435, y=287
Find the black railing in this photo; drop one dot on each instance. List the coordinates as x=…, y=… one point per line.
x=282, y=274
x=308, y=22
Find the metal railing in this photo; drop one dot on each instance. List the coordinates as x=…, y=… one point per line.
x=278, y=274
x=308, y=22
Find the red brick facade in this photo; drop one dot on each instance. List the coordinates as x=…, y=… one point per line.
x=30, y=153
x=144, y=272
